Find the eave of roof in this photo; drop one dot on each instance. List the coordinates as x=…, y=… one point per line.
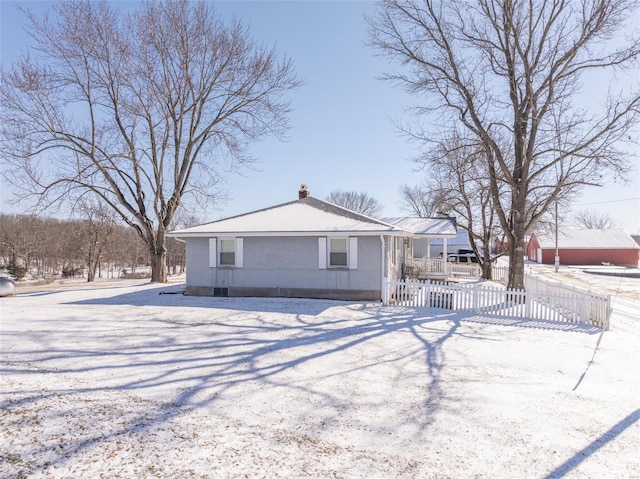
x=303, y=217
x=444, y=227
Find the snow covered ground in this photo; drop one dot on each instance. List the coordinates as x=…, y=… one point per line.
x=115, y=380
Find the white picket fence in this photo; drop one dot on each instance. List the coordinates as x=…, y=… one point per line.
x=576, y=307
x=538, y=283
x=500, y=274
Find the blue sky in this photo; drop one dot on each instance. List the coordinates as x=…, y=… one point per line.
x=343, y=134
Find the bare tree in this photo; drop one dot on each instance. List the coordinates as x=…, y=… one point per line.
x=510, y=74
x=594, y=220
x=144, y=110
x=419, y=200
x=50, y=237
x=96, y=229
x=19, y=237
x=177, y=248
x=360, y=202
x=458, y=176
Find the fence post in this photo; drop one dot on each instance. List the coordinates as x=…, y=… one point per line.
x=605, y=326
x=585, y=308
x=475, y=298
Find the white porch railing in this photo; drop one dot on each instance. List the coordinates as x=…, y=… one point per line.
x=423, y=268
x=427, y=268
x=577, y=307
x=417, y=266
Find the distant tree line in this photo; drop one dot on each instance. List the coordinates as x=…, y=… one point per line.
x=95, y=246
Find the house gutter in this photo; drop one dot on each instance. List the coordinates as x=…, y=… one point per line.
x=383, y=289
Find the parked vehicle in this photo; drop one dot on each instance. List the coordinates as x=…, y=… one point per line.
x=465, y=258
x=7, y=286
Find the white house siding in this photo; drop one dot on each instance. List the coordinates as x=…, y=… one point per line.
x=284, y=266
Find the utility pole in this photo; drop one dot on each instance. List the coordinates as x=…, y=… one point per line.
x=557, y=258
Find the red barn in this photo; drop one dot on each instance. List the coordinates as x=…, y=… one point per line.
x=584, y=247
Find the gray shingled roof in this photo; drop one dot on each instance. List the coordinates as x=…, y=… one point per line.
x=311, y=216
x=440, y=227
x=307, y=216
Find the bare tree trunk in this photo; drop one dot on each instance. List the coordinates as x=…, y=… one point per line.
x=485, y=265
x=159, y=265
x=91, y=272
x=487, y=271
x=516, y=260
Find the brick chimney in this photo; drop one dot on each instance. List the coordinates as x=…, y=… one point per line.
x=303, y=192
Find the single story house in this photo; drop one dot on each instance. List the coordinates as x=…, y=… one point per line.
x=584, y=247
x=305, y=248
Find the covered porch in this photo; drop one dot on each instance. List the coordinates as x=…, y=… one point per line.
x=438, y=269
x=418, y=262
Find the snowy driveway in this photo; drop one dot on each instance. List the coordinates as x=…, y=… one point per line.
x=121, y=381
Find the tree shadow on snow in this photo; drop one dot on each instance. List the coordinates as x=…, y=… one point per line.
x=262, y=342
x=203, y=367
x=172, y=296
x=595, y=445
x=515, y=322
